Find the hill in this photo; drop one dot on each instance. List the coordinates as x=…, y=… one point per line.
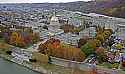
x=114, y=8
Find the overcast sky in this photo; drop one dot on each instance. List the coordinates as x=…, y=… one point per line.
x=38, y=1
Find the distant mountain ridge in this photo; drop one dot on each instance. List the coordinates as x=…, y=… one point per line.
x=114, y=8
x=81, y=6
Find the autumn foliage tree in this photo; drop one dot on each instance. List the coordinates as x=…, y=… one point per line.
x=92, y=44
x=110, y=30
x=55, y=48
x=106, y=34
x=23, y=38
x=99, y=29
x=101, y=55
x=83, y=41
x=100, y=37
x=97, y=42
x=70, y=28
x=17, y=39
x=102, y=33
x=34, y=37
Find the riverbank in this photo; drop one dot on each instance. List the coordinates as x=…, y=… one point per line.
x=7, y=67
x=23, y=65
x=58, y=66
x=45, y=68
x=53, y=68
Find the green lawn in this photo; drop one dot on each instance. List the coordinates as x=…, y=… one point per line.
x=59, y=69
x=106, y=65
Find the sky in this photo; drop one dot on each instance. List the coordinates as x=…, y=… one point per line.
x=38, y=1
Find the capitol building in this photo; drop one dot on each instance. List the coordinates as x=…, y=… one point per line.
x=54, y=22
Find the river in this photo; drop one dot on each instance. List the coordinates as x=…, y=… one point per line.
x=7, y=67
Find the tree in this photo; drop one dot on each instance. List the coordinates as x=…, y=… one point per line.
x=99, y=30
x=119, y=46
x=97, y=42
x=83, y=41
x=106, y=34
x=110, y=30
x=27, y=39
x=67, y=52
x=99, y=50
x=13, y=37
x=123, y=64
x=23, y=38
x=61, y=50
x=41, y=58
x=76, y=30
x=100, y=37
x=92, y=43
x=35, y=37
x=110, y=42
x=17, y=40
x=101, y=56
x=28, y=30
x=87, y=49
x=70, y=28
